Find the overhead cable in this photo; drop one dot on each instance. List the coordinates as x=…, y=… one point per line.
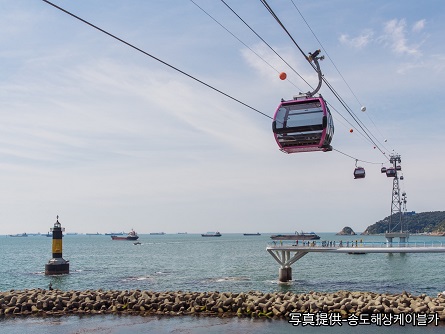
x=262, y=39
x=155, y=58
x=167, y=64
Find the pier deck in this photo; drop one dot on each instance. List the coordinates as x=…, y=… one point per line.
x=287, y=253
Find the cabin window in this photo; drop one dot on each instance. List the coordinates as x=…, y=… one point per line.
x=307, y=116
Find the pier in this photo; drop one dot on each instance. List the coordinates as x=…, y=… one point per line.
x=287, y=253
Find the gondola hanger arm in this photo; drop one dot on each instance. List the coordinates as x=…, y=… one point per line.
x=313, y=57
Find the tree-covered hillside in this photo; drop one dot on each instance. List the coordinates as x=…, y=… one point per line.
x=424, y=222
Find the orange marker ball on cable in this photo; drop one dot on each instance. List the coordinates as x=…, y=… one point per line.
x=283, y=76
x=351, y=131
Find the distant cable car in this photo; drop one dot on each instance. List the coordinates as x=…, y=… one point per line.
x=359, y=173
x=401, y=177
x=303, y=124
x=391, y=172
x=398, y=167
x=383, y=169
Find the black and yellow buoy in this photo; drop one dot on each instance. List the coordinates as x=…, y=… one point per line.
x=57, y=265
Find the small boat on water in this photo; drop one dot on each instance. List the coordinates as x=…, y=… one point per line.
x=136, y=243
x=252, y=234
x=132, y=235
x=211, y=234
x=295, y=236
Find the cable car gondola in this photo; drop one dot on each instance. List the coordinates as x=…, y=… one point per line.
x=303, y=124
x=391, y=172
x=383, y=170
x=359, y=173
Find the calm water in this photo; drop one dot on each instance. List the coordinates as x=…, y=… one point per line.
x=189, y=262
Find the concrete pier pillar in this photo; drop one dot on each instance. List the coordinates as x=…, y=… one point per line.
x=57, y=265
x=402, y=235
x=285, y=274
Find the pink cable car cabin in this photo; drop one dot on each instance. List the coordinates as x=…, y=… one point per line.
x=303, y=125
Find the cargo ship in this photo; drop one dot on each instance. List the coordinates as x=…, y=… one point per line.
x=132, y=235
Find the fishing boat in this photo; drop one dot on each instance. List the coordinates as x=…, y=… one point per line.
x=211, y=234
x=252, y=234
x=295, y=236
x=132, y=235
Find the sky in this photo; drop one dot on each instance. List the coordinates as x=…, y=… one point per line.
x=110, y=139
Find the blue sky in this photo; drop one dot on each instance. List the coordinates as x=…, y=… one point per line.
x=110, y=139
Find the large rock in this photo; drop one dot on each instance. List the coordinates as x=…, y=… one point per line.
x=346, y=231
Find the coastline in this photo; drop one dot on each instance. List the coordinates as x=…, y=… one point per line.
x=253, y=304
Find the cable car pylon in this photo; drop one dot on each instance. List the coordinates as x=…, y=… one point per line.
x=396, y=203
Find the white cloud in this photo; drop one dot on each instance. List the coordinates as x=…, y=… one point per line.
x=395, y=36
x=358, y=42
x=419, y=25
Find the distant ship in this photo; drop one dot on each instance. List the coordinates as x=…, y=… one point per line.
x=211, y=234
x=50, y=234
x=296, y=236
x=132, y=235
x=252, y=234
x=115, y=233
x=157, y=233
x=18, y=235
x=97, y=233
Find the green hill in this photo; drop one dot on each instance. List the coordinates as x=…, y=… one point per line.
x=424, y=222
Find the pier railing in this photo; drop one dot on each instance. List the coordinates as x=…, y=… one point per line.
x=356, y=244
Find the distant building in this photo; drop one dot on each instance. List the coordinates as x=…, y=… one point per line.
x=411, y=213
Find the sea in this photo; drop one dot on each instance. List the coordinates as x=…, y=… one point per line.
x=189, y=262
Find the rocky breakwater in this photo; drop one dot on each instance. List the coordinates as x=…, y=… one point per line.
x=225, y=304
